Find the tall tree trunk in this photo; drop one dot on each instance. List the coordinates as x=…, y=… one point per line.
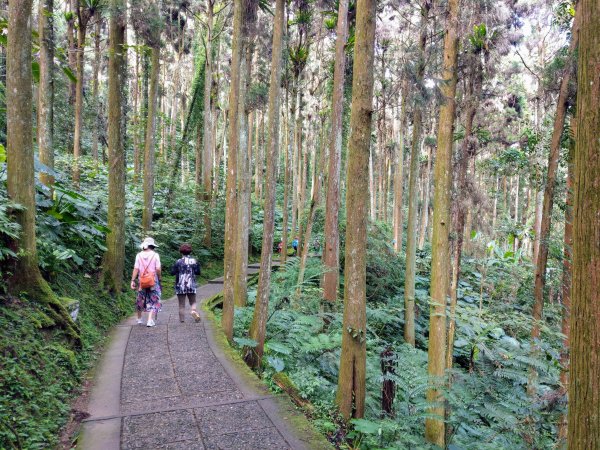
x=259, y=320
x=331, y=246
x=231, y=194
x=25, y=273
x=149, y=150
x=115, y=239
x=96, y=89
x=440, y=246
x=314, y=204
x=459, y=212
x=287, y=176
x=45, y=129
x=584, y=370
x=399, y=173
x=83, y=18
x=259, y=164
x=553, y=157
x=240, y=287
x=411, y=236
x=137, y=120
x=351, y=381
x=372, y=189
x=208, y=143
x=72, y=7
x=425, y=204
x=566, y=283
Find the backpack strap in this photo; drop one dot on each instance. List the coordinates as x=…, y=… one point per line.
x=147, y=265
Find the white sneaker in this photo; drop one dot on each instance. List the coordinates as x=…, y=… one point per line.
x=140, y=321
x=150, y=323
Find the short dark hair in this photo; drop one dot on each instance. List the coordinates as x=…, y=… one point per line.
x=185, y=249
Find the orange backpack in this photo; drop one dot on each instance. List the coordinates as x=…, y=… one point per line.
x=147, y=278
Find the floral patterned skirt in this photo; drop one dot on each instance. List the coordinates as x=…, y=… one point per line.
x=149, y=299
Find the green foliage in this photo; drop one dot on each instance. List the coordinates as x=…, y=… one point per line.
x=39, y=373
x=486, y=391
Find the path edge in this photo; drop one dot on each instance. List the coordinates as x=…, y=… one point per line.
x=289, y=420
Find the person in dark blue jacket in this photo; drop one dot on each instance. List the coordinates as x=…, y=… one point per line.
x=185, y=270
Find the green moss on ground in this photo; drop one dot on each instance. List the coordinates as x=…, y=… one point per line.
x=40, y=368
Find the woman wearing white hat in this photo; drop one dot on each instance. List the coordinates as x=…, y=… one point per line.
x=147, y=266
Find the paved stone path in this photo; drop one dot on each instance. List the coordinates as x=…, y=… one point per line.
x=171, y=387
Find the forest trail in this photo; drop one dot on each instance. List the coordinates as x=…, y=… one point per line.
x=173, y=387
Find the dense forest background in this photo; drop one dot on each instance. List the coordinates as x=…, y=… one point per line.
x=421, y=153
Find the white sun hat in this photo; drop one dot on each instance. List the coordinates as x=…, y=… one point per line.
x=147, y=242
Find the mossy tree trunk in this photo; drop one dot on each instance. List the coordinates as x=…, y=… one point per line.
x=25, y=274
x=45, y=128
x=351, y=382
x=331, y=235
x=440, y=245
x=584, y=370
x=259, y=320
x=413, y=195
x=115, y=239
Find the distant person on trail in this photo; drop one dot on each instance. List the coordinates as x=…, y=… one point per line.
x=147, y=272
x=185, y=270
x=295, y=246
x=280, y=247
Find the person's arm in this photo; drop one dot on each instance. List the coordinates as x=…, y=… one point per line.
x=136, y=271
x=158, y=268
x=197, y=268
x=174, y=268
x=133, y=278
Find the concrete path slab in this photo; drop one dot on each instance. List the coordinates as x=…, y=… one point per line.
x=174, y=386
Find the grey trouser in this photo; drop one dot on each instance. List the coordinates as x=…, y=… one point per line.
x=181, y=298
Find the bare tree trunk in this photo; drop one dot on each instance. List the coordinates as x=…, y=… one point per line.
x=372, y=189
x=411, y=236
x=45, y=129
x=259, y=320
x=440, y=246
x=352, y=375
x=96, y=88
x=83, y=18
x=137, y=108
x=287, y=177
x=314, y=204
x=115, y=239
x=258, y=175
x=208, y=117
x=399, y=173
x=72, y=7
x=149, y=150
x=240, y=288
x=231, y=194
x=584, y=371
x=566, y=284
x=331, y=246
x=425, y=204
